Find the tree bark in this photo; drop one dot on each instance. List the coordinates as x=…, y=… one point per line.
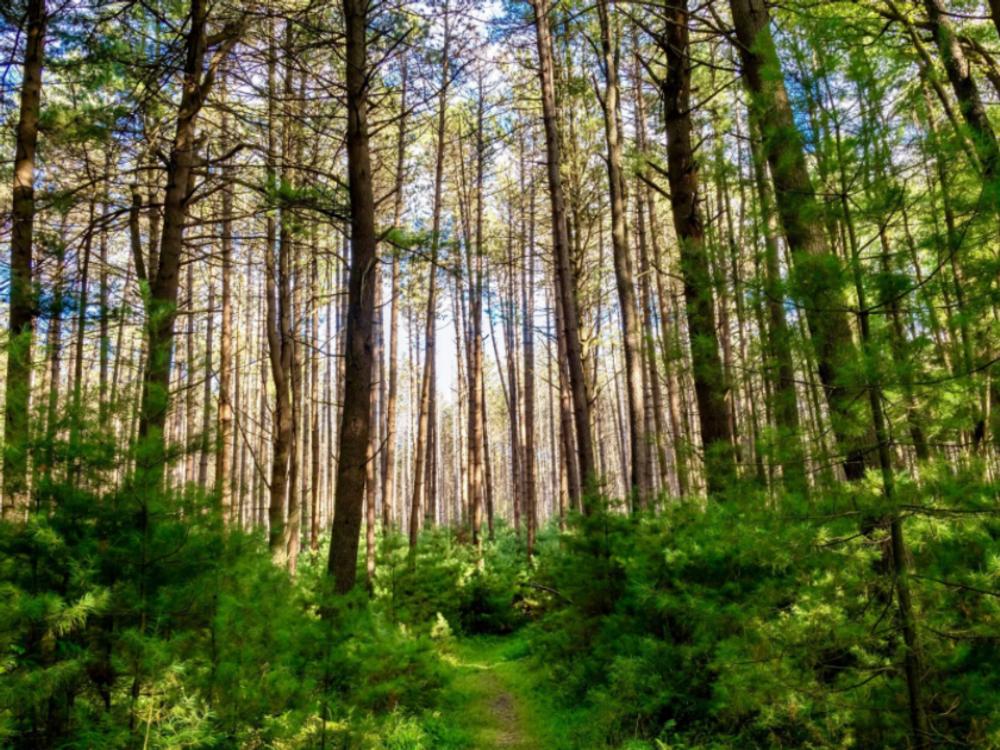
x=709, y=378
x=423, y=461
x=817, y=278
x=164, y=276
x=641, y=480
x=389, y=452
x=358, y=352
x=22, y=298
x=475, y=364
x=565, y=283
x=224, y=445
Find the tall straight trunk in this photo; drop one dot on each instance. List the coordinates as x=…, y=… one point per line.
x=54, y=354
x=206, y=396
x=164, y=278
x=785, y=403
x=423, y=465
x=188, y=381
x=224, y=431
x=389, y=450
x=278, y=258
x=358, y=351
x=370, y=474
x=641, y=480
x=329, y=386
x=566, y=426
x=560, y=455
x=240, y=448
x=104, y=323
x=514, y=401
x=314, y=402
x=709, y=378
x=81, y=330
x=528, y=342
x=565, y=281
x=431, y=463
x=293, y=528
x=475, y=324
x=22, y=299
x=817, y=278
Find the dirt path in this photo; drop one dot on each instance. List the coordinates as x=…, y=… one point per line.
x=497, y=712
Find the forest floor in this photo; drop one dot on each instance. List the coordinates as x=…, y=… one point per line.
x=495, y=698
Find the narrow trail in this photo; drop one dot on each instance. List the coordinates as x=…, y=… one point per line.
x=496, y=709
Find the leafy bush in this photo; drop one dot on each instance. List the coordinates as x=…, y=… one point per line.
x=448, y=578
x=741, y=626
x=178, y=634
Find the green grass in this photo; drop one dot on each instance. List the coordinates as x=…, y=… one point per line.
x=496, y=700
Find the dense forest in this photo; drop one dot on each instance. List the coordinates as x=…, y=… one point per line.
x=500, y=374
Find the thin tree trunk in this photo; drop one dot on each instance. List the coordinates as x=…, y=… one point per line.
x=389, y=451
x=475, y=364
x=565, y=282
x=423, y=465
x=206, y=396
x=224, y=444
x=81, y=329
x=278, y=254
x=528, y=340
x=641, y=481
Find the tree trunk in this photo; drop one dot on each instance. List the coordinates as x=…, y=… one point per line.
x=709, y=378
x=22, y=298
x=277, y=259
x=560, y=241
x=164, y=278
x=475, y=364
x=817, y=278
x=206, y=396
x=224, y=445
x=641, y=480
x=423, y=463
x=358, y=352
x=528, y=342
x=389, y=451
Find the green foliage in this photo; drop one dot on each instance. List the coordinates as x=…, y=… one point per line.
x=449, y=579
x=739, y=627
x=132, y=619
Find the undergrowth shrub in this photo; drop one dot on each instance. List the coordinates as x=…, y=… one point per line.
x=749, y=624
x=448, y=577
x=179, y=634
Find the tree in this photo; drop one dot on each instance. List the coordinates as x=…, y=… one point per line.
x=164, y=279
x=359, y=351
x=565, y=286
x=22, y=296
x=642, y=469
x=817, y=286
x=709, y=379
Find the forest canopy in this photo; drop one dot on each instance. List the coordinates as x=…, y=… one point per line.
x=503, y=374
